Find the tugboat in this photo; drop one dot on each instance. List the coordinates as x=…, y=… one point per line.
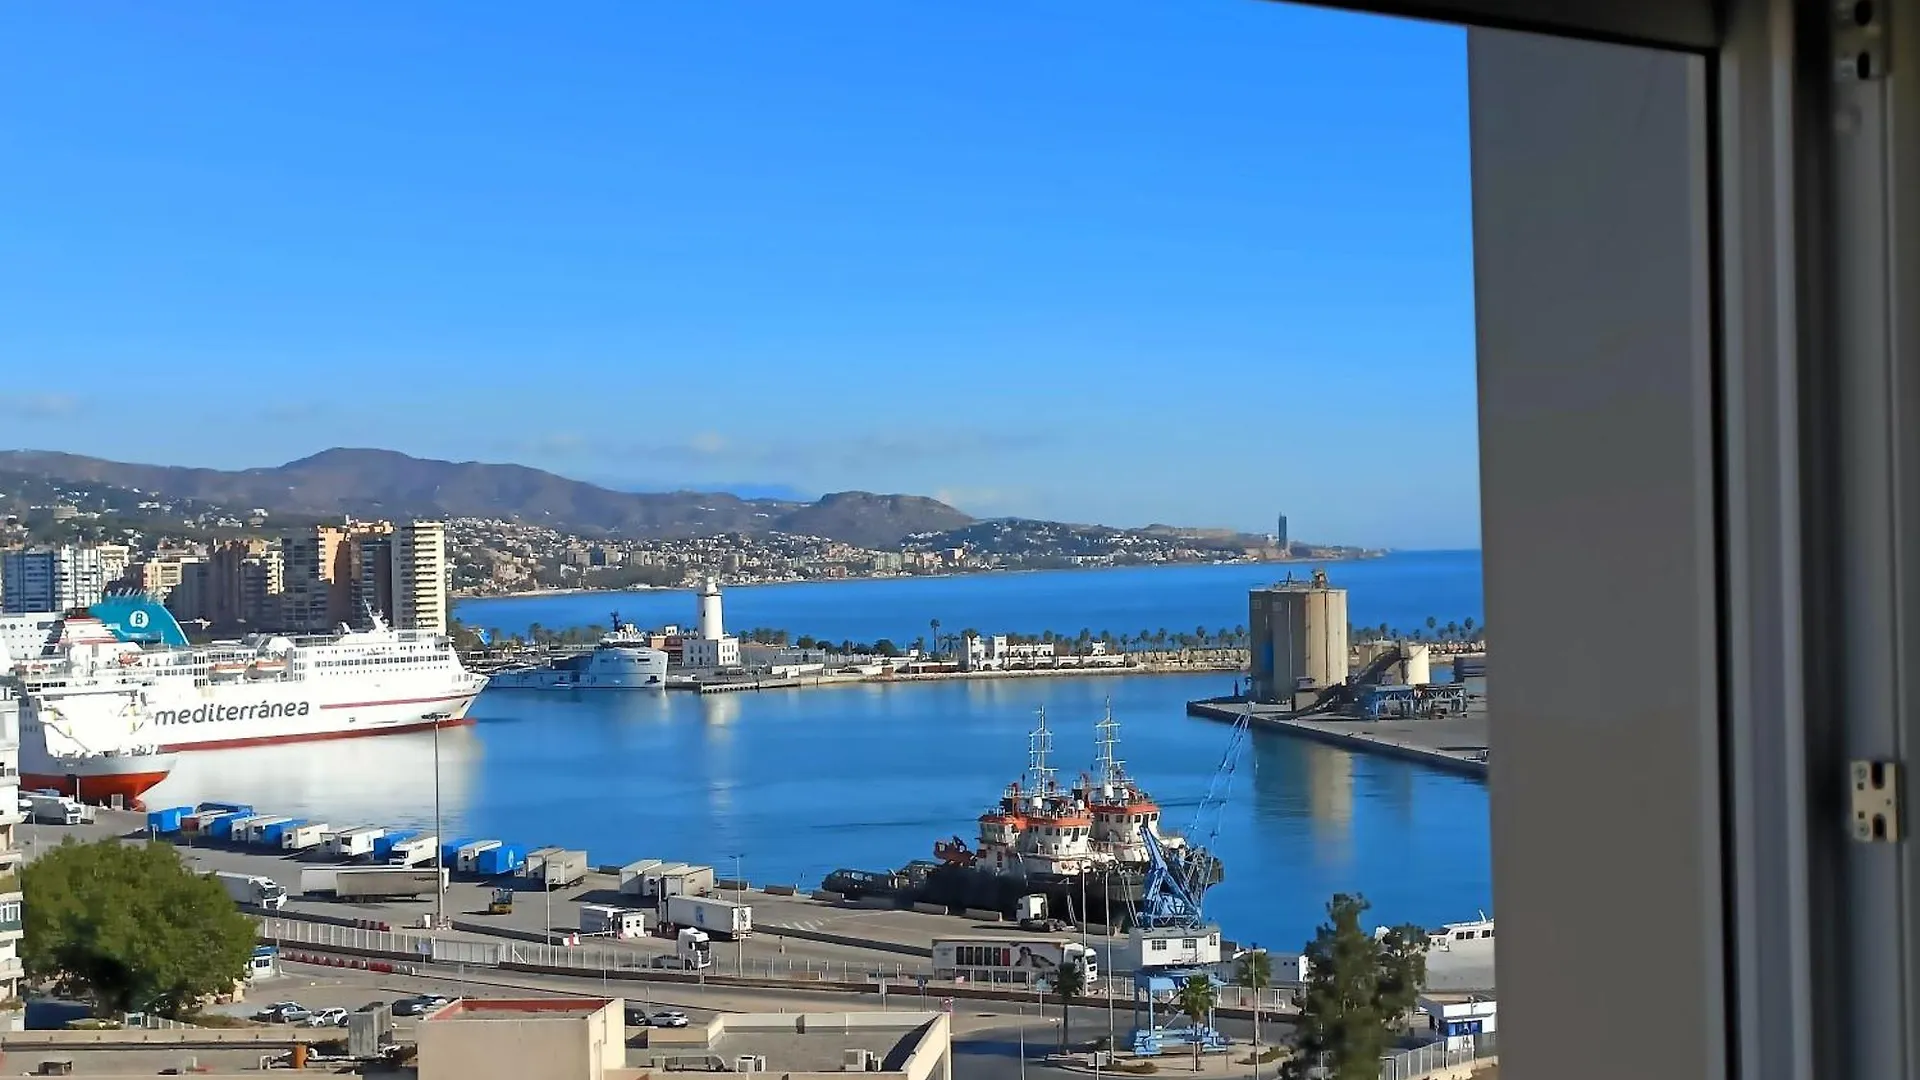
x=1081, y=847
x=623, y=660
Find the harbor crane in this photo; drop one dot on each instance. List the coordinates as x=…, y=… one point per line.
x=1172, y=941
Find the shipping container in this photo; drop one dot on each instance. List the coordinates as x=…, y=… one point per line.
x=650, y=877
x=505, y=859
x=353, y=843
x=614, y=922
x=450, y=851
x=633, y=880
x=383, y=844
x=722, y=918
x=165, y=822
x=273, y=834
x=306, y=836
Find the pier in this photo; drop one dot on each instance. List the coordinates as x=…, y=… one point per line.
x=1457, y=743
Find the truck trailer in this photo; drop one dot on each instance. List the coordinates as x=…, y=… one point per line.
x=252, y=889
x=304, y=837
x=555, y=868
x=352, y=843
x=418, y=851
x=613, y=922
x=387, y=882
x=722, y=918
x=466, y=858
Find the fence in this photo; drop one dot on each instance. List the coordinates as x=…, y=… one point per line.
x=1423, y=1060
x=600, y=956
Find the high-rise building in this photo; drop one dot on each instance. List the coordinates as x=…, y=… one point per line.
x=163, y=575
x=53, y=579
x=372, y=569
x=11, y=928
x=239, y=583
x=1280, y=534
x=420, y=576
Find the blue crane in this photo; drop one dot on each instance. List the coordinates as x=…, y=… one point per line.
x=1172, y=896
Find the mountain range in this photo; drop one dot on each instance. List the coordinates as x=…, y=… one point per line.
x=385, y=483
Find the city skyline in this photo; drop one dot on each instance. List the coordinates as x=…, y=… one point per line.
x=1147, y=267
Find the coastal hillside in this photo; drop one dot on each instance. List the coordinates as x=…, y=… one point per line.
x=385, y=483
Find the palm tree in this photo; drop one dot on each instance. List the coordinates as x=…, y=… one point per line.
x=1432, y=622
x=1255, y=972
x=1196, y=1000
x=1467, y=623
x=934, y=625
x=1240, y=634
x=1069, y=982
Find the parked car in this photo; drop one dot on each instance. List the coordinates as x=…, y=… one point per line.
x=283, y=1012
x=328, y=1018
x=669, y=1018
x=371, y=1006
x=416, y=1006
x=636, y=1016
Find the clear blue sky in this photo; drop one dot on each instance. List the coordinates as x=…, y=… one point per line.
x=1113, y=260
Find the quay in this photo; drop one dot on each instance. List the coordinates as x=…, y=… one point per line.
x=1457, y=744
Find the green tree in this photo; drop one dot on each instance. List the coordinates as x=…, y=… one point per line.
x=1358, y=989
x=886, y=647
x=131, y=928
x=1467, y=625
x=1069, y=982
x=934, y=625
x=1431, y=622
x=805, y=641
x=1196, y=1000
x=1254, y=970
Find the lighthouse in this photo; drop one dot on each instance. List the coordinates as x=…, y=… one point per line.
x=710, y=648
x=711, y=628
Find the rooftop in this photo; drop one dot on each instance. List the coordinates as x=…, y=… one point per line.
x=518, y=1009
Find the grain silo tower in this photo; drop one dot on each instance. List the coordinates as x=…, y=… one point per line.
x=1299, y=638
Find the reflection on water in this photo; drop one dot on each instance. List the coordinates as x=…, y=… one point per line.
x=801, y=782
x=378, y=780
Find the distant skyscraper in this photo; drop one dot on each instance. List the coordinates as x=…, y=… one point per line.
x=1280, y=535
x=51, y=580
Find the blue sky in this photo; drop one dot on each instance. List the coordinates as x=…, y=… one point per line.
x=1112, y=260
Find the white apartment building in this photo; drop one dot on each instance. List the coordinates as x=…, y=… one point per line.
x=420, y=576
x=12, y=1017
x=52, y=579
x=993, y=653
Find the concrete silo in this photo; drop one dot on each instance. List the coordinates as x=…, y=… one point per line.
x=1299, y=631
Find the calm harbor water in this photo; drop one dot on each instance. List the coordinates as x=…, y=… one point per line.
x=797, y=783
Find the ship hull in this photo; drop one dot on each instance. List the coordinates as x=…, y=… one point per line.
x=1106, y=897
x=602, y=669
x=96, y=778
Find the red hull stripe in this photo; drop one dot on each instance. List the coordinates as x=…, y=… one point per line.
x=350, y=733
x=398, y=701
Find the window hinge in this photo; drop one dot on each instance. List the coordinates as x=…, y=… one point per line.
x=1860, y=40
x=1876, y=802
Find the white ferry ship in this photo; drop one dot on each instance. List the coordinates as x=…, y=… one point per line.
x=91, y=691
x=623, y=660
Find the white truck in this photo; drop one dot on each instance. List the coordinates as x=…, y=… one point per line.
x=724, y=918
x=415, y=852
x=692, y=951
x=352, y=843
x=252, y=889
x=386, y=882
x=57, y=810
x=555, y=868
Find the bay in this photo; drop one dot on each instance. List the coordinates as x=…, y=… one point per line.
x=797, y=783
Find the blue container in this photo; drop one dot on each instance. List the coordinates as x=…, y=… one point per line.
x=272, y=834
x=168, y=820
x=237, y=809
x=222, y=827
x=504, y=859
x=383, y=844
x=450, y=852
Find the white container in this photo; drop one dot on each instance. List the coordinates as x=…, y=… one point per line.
x=353, y=843
x=467, y=859
x=633, y=876
x=256, y=827
x=622, y=923
x=304, y=837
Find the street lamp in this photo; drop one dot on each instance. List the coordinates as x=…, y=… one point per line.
x=740, y=895
x=439, y=841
